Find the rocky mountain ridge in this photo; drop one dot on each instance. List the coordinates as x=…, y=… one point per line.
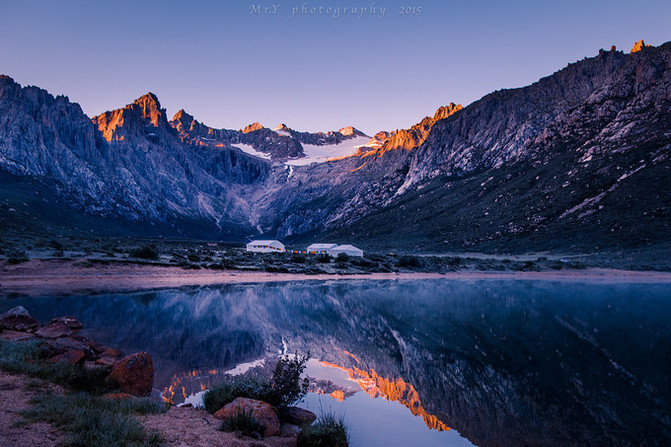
x=583, y=152
x=279, y=144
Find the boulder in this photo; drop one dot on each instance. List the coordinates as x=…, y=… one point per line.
x=18, y=310
x=18, y=319
x=297, y=416
x=97, y=347
x=74, y=357
x=72, y=322
x=61, y=345
x=261, y=411
x=16, y=335
x=23, y=323
x=54, y=330
x=109, y=357
x=134, y=374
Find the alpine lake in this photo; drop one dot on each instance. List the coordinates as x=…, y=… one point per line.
x=485, y=362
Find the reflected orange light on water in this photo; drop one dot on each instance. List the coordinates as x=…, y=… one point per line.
x=187, y=383
x=375, y=385
x=396, y=390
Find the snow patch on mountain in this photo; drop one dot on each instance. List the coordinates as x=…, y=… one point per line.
x=249, y=149
x=320, y=154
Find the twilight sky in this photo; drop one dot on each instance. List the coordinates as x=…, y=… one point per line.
x=229, y=66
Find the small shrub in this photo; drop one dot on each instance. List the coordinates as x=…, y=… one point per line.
x=193, y=257
x=342, y=257
x=228, y=264
x=145, y=252
x=526, y=266
x=91, y=380
x=324, y=258
x=286, y=385
x=328, y=431
x=243, y=422
x=216, y=397
x=455, y=261
x=409, y=261
x=298, y=259
x=58, y=253
x=363, y=262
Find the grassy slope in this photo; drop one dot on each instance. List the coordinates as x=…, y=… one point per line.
x=517, y=209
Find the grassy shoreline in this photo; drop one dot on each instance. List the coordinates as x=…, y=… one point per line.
x=79, y=408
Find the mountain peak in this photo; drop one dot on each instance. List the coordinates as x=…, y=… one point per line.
x=352, y=131
x=445, y=111
x=252, y=128
x=182, y=121
x=151, y=108
x=282, y=127
x=638, y=46
x=148, y=101
x=7, y=85
x=182, y=116
x=7, y=79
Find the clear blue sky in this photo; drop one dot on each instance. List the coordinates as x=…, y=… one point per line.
x=229, y=67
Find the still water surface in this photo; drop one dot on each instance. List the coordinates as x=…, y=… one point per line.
x=426, y=363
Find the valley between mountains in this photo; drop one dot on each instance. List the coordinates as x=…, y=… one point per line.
x=579, y=161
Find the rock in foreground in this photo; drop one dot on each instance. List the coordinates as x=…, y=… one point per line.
x=297, y=416
x=55, y=330
x=259, y=410
x=134, y=374
x=18, y=319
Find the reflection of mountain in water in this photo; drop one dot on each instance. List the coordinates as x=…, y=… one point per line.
x=397, y=390
x=503, y=362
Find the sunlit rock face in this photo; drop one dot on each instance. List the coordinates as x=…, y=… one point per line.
x=411, y=138
x=130, y=122
x=638, y=46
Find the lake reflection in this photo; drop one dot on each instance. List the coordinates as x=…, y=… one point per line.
x=503, y=362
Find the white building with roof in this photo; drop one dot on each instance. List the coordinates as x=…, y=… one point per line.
x=320, y=248
x=265, y=247
x=349, y=250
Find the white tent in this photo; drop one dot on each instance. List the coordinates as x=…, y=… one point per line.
x=320, y=248
x=349, y=250
x=265, y=246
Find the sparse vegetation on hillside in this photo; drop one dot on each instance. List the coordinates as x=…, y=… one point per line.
x=199, y=255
